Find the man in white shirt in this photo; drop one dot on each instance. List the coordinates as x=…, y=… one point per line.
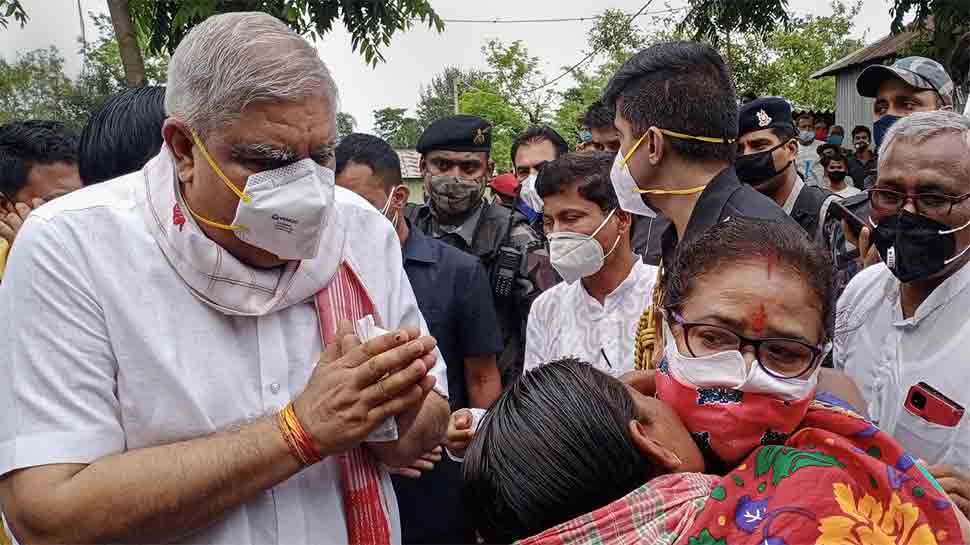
x=904, y=321
x=163, y=330
x=593, y=314
x=808, y=163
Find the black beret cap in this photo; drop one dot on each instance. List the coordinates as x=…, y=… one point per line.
x=457, y=133
x=764, y=113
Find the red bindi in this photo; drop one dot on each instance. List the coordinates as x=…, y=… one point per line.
x=758, y=320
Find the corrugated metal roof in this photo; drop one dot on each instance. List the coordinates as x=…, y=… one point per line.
x=883, y=48
x=410, y=163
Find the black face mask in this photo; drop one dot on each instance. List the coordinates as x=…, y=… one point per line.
x=914, y=246
x=837, y=175
x=757, y=168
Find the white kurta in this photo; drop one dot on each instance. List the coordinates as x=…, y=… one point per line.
x=886, y=354
x=105, y=349
x=566, y=321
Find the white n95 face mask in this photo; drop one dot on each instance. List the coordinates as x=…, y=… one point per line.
x=288, y=210
x=729, y=370
x=626, y=187
x=529, y=194
x=575, y=255
x=282, y=211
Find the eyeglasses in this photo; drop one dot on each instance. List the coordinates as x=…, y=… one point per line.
x=780, y=358
x=889, y=201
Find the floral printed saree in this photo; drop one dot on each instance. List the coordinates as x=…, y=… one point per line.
x=837, y=480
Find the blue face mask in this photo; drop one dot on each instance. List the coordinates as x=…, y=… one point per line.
x=835, y=139
x=881, y=127
x=806, y=136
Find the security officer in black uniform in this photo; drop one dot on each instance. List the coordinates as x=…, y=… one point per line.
x=767, y=150
x=456, y=165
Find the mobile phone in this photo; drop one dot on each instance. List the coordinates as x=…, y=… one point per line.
x=839, y=211
x=931, y=405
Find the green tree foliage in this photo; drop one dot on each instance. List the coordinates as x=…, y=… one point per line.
x=370, y=23
x=161, y=24
x=12, y=9
x=948, y=38
x=400, y=131
x=782, y=63
x=33, y=84
x=345, y=125
x=507, y=120
x=437, y=99
x=778, y=62
x=514, y=74
x=613, y=39
x=715, y=21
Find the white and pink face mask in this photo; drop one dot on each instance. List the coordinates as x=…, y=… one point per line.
x=729, y=407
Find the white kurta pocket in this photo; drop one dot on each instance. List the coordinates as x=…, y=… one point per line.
x=926, y=440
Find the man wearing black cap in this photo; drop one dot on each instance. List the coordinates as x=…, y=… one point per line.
x=768, y=149
x=456, y=164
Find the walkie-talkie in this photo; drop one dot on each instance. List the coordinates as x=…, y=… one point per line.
x=506, y=267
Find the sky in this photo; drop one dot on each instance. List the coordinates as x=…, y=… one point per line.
x=415, y=56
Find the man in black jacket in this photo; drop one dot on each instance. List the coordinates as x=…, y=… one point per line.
x=676, y=111
x=677, y=114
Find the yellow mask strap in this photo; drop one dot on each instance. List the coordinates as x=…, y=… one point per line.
x=211, y=223
x=243, y=196
x=712, y=140
x=626, y=158
x=688, y=191
x=225, y=179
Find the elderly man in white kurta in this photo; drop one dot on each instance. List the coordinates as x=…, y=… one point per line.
x=162, y=339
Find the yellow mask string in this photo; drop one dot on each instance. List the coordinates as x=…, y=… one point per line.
x=225, y=179
x=682, y=136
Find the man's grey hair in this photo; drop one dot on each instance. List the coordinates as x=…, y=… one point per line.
x=922, y=126
x=232, y=60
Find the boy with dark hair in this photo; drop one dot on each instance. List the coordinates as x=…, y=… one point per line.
x=836, y=174
x=599, y=120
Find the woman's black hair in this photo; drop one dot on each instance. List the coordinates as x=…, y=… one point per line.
x=742, y=240
x=555, y=446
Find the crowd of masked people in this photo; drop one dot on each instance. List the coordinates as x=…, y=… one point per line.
x=710, y=323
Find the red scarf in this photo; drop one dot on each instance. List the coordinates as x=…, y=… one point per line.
x=345, y=298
